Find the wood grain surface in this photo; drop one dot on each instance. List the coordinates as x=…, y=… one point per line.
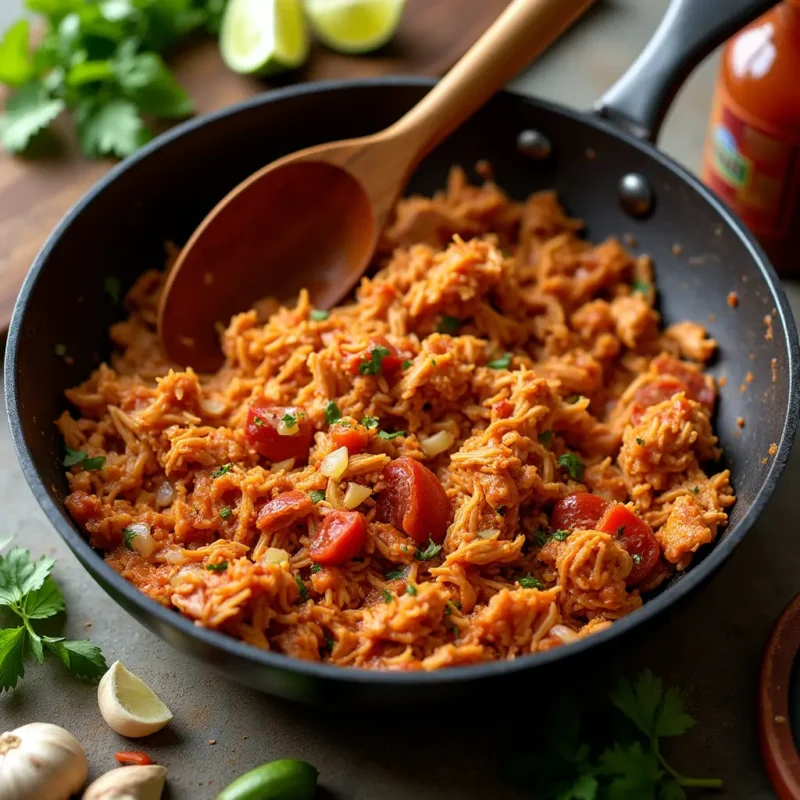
x=35, y=193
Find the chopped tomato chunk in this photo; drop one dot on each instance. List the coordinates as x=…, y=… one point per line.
x=133, y=757
x=503, y=410
x=653, y=393
x=354, y=437
x=376, y=360
x=636, y=536
x=697, y=387
x=577, y=512
x=342, y=536
x=414, y=501
x=262, y=432
x=283, y=510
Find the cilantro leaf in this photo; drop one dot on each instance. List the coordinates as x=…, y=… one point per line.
x=225, y=512
x=223, y=470
x=573, y=464
x=583, y=788
x=112, y=286
x=545, y=437
x=319, y=314
x=561, y=535
x=16, y=63
x=672, y=790
x=98, y=462
x=388, y=436
x=302, y=592
x=672, y=719
x=504, y=362
x=113, y=128
x=145, y=79
x=370, y=422
x=332, y=413
x=529, y=582
x=429, y=552
x=411, y=589
x=29, y=110
x=73, y=457
x=44, y=602
x=18, y=575
x=219, y=567
x=640, y=286
x=316, y=495
x=12, y=650
x=34, y=646
x=394, y=575
x=387, y=598
x=373, y=365
x=315, y=568
x=635, y=773
x=449, y=325
x=80, y=657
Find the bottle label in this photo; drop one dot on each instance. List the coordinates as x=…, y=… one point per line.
x=757, y=172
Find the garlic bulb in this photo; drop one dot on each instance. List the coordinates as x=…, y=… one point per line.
x=129, y=783
x=41, y=761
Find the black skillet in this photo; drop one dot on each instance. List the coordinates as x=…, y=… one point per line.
x=605, y=170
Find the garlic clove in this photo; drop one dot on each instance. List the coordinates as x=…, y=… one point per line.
x=129, y=705
x=39, y=761
x=129, y=783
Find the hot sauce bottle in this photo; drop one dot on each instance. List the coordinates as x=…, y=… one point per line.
x=752, y=151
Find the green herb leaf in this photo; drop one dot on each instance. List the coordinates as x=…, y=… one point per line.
x=696, y=489
x=373, y=365
x=504, y=362
x=225, y=512
x=319, y=314
x=635, y=773
x=258, y=422
x=330, y=643
x=301, y=588
x=672, y=790
x=541, y=536
x=407, y=364
x=411, y=589
x=388, y=436
x=316, y=496
x=529, y=582
x=429, y=552
x=546, y=437
x=501, y=510
x=112, y=288
x=218, y=567
x=16, y=63
x=12, y=652
x=112, y=128
x=289, y=421
x=44, y=602
x=19, y=575
x=128, y=536
x=449, y=325
x=636, y=558
x=80, y=657
x=640, y=441
x=34, y=646
x=561, y=535
x=315, y=568
x=640, y=286
x=146, y=81
x=387, y=598
x=394, y=575
x=573, y=398
x=223, y=470
x=332, y=413
x=73, y=457
x=370, y=423
x=573, y=464
x=98, y=462
x=29, y=110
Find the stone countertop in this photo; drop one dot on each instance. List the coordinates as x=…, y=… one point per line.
x=711, y=647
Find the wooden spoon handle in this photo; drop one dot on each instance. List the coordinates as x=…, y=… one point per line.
x=518, y=35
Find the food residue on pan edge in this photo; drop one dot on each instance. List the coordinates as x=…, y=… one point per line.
x=733, y=299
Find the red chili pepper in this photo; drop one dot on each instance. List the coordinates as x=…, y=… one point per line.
x=133, y=757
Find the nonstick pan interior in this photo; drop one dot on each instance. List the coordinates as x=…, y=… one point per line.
x=164, y=191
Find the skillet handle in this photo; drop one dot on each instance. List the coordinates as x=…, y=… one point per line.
x=690, y=30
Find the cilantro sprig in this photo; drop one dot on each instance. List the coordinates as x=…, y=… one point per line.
x=29, y=592
x=78, y=458
x=431, y=551
x=102, y=62
x=570, y=765
x=373, y=365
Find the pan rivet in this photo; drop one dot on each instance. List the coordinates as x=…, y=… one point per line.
x=535, y=145
x=636, y=195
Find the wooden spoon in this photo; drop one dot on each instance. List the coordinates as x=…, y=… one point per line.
x=312, y=219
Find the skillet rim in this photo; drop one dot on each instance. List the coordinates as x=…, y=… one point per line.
x=235, y=649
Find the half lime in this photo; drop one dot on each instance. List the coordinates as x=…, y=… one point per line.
x=261, y=37
x=354, y=26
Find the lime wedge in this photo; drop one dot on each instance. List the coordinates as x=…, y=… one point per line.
x=260, y=37
x=354, y=26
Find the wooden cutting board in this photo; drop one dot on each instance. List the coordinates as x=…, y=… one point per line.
x=35, y=193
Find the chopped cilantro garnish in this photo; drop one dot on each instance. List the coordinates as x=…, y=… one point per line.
x=529, y=582
x=545, y=437
x=636, y=558
x=620, y=531
x=640, y=286
x=315, y=568
x=504, y=362
x=98, y=462
x=301, y=589
x=407, y=363
x=112, y=288
x=258, y=422
x=316, y=495
x=319, y=314
x=404, y=548
x=387, y=598
x=696, y=489
x=448, y=325
x=561, y=535
x=332, y=413
x=289, y=421
x=330, y=643
x=429, y=552
x=640, y=441
x=540, y=537
x=80, y=459
x=386, y=435
x=373, y=366
x=220, y=567
x=573, y=464
x=501, y=510
x=394, y=575
x=573, y=398
x=225, y=512
x=128, y=536
x=411, y=589
x=223, y=470
x=370, y=422
x=433, y=361
x=60, y=349
x=447, y=610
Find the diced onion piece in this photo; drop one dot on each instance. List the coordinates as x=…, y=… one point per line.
x=165, y=494
x=438, y=443
x=334, y=464
x=285, y=465
x=333, y=494
x=186, y=575
x=488, y=533
x=288, y=430
x=355, y=495
x=564, y=633
x=174, y=556
x=212, y=405
x=142, y=542
x=274, y=555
